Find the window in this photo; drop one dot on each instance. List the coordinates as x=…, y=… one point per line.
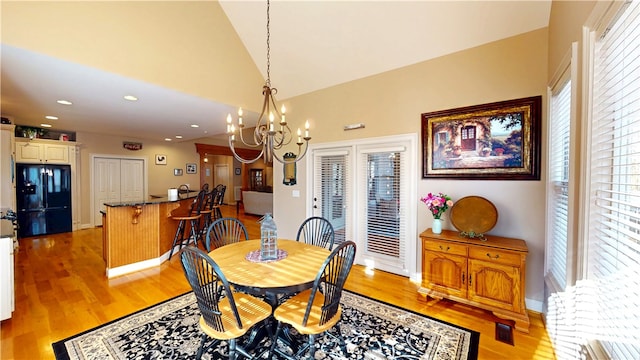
x=558, y=187
x=613, y=243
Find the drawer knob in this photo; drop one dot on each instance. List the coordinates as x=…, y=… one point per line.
x=493, y=257
x=447, y=249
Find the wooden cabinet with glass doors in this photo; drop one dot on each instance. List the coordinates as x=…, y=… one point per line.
x=486, y=274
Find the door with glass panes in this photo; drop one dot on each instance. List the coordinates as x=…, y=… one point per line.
x=364, y=190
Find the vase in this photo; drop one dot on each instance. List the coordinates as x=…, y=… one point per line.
x=436, y=227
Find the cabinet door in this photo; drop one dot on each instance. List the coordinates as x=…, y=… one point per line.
x=495, y=284
x=58, y=154
x=28, y=152
x=445, y=273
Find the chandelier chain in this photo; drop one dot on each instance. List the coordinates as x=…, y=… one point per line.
x=268, y=83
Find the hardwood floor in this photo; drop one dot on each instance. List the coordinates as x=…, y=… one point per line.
x=61, y=290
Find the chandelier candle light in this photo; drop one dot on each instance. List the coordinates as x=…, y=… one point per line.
x=273, y=133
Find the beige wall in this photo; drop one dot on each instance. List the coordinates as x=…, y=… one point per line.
x=160, y=177
x=391, y=103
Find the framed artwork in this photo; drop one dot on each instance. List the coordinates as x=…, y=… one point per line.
x=495, y=141
x=237, y=171
x=161, y=159
x=192, y=168
x=177, y=172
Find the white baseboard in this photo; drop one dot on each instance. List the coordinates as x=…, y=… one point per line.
x=533, y=305
x=141, y=265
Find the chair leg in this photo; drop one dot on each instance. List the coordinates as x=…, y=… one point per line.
x=179, y=236
x=312, y=346
x=274, y=340
x=201, y=347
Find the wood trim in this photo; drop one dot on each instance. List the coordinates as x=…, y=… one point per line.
x=207, y=149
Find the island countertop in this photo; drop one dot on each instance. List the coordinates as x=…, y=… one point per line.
x=153, y=200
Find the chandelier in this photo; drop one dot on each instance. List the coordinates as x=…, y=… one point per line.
x=271, y=132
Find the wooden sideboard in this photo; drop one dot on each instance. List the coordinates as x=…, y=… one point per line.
x=487, y=274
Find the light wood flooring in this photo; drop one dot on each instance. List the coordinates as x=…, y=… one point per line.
x=61, y=290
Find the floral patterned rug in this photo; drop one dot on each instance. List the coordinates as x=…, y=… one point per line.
x=371, y=329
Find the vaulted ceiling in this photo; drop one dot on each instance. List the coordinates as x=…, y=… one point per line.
x=194, y=62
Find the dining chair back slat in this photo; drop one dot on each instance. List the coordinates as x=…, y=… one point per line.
x=316, y=231
x=225, y=231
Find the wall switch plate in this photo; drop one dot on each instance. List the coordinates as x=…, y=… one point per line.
x=295, y=193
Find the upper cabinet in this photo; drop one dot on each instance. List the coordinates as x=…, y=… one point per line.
x=44, y=151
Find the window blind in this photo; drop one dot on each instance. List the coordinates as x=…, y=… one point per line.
x=613, y=242
x=331, y=197
x=558, y=204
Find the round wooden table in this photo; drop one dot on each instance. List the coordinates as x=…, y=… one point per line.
x=293, y=273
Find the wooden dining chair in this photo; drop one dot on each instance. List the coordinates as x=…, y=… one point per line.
x=316, y=231
x=226, y=315
x=315, y=311
x=224, y=231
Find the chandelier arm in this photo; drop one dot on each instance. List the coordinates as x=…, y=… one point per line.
x=244, y=142
x=240, y=158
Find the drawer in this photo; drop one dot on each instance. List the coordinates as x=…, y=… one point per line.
x=445, y=247
x=495, y=255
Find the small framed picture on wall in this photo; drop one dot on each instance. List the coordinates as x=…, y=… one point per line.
x=237, y=171
x=161, y=159
x=177, y=172
x=192, y=168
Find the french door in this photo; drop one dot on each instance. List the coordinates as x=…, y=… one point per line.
x=368, y=193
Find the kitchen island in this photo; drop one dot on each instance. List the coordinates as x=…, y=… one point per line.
x=138, y=235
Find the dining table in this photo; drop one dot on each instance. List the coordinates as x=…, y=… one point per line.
x=294, y=269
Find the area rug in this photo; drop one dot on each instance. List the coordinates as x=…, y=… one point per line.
x=371, y=329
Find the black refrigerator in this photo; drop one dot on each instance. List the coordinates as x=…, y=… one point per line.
x=43, y=194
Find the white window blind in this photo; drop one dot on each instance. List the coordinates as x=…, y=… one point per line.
x=558, y=204
x=385, y=221
x=331, y=197
x=613, y=261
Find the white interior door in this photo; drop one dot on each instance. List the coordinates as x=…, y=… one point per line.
x=131, y=180
x=115, y=180
x=106, y=185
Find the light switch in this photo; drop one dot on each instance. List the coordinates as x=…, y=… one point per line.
x=295, y=193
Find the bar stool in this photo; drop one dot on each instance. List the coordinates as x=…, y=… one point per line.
x=207, y=210
x=193, y=218
x=219, y=200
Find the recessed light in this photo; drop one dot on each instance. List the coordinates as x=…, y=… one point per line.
x=64, y=102
x=45, y=125
x=178, y=136
x=130, y=98
x=167, y=139
x=195, y=125
x=49, y=117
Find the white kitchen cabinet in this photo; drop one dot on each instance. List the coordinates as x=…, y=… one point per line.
x=7, y=296
x=43, y=151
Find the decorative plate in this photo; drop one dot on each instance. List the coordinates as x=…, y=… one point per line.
x=474, y=214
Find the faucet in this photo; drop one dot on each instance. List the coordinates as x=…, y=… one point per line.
x=183, y=189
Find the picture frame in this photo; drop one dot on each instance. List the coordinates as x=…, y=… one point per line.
x=177, y=172
x=161, y=159
x=494, y=141
x=192, y=168
x=237, y=171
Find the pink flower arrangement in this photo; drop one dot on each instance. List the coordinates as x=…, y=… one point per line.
x=437, y=204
